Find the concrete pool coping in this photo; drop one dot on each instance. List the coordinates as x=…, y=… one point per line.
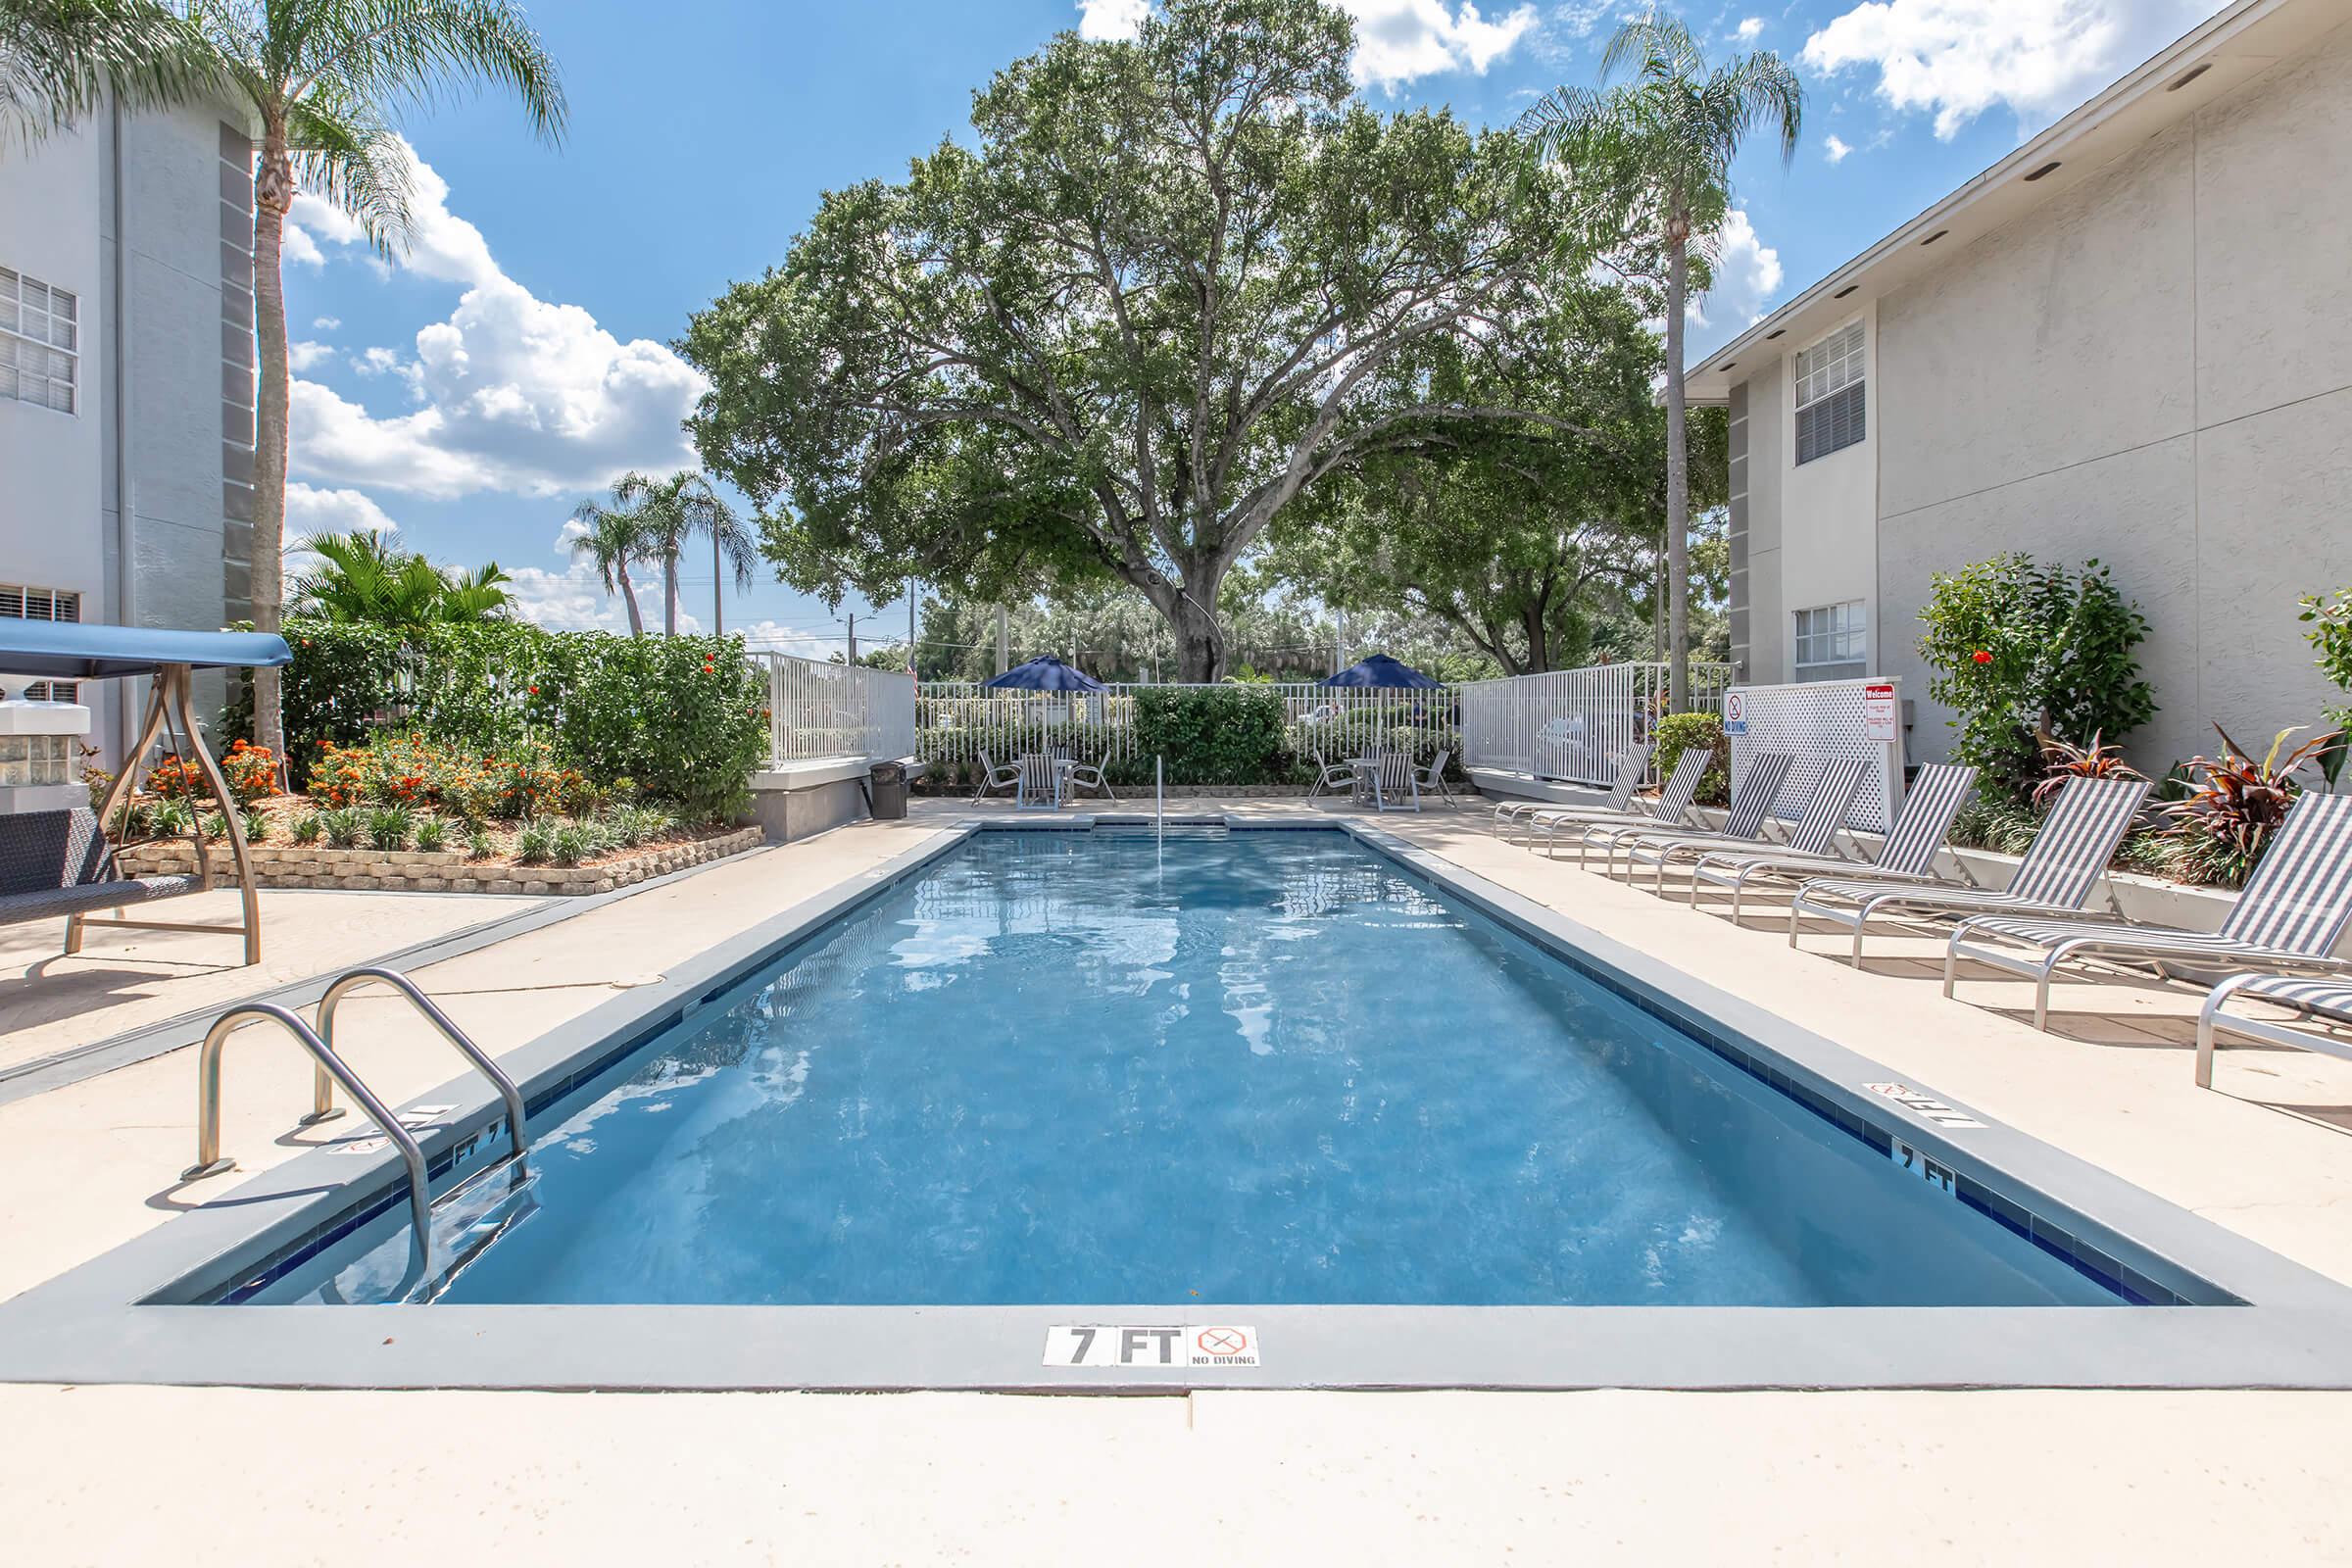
x=91, y=1324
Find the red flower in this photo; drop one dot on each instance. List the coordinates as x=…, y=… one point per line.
x=1982, y=657
x=534, y=691
x=709, y=667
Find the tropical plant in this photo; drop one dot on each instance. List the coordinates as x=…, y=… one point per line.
x=535, y=843
x=1145, y=306
x=59, y=57
x=654, y=521
x=1661, y=149
x=612, y=535
x=255, y=826
x=215, y=825
x=342, y=826
x=2001, y=823
x=480, y=843
x=1676, y=733
x=390, y=826
x=432, y=834
x=2063, y=763
x=358, y=576
x=305, y=828
x=320, y=81
x=172, y=818
x=2236, y=804
x=2025, y=653
x=575, y=842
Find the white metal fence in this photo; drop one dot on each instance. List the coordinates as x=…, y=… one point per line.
x=1815, y=722
x=1574, y=725
x=957, y=720
x=822, y=710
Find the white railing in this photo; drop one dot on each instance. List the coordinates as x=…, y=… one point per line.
x=957, y=720
x=1574, y=725
x=821, y=709
x=1816, y=721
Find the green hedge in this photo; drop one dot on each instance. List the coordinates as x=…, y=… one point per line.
x=686, y=718
x=1678, y=733
x=1210, y=735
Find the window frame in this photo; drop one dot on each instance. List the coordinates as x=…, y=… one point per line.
x=47, y=343
x=1854, y=627
x=16, y=604
x=1851, y=369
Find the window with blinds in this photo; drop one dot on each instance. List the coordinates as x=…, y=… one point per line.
x=41, y=342
x=1833, y=642
x=1830, y=394
x=20, y=603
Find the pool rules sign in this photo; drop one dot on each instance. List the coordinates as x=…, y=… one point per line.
x=1147, y=1346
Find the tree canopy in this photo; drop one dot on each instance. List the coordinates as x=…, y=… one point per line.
x=1153, y=304
x=359, y=577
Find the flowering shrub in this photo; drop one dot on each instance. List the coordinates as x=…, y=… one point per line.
x=251, y=771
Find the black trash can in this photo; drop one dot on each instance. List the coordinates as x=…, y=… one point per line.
x=888, y=789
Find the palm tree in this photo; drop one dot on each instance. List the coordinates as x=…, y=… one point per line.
x=611, y=536
x=59, y=57
x=1664, y=142
x=361, y=578
x=681, y=508
x=321, y=80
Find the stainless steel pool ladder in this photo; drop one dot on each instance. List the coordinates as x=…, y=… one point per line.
x=329, y=1069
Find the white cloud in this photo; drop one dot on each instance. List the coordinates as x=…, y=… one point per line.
x=298, y=249
x=1395, y=40
x=1578, y=19
x=1959, y=58
x=325, y=323
x=1747, y=277
x=1399, y=40
x=304, y=355
x=1837, y=148
x=1102, y=20
x=1749, y=28
x=310, y=510
x=574, y=598
x=516, y=394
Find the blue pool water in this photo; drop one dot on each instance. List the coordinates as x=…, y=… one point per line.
x=1263, y=1067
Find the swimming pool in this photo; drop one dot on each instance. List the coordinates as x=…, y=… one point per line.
x=1276, y=1067
x=1244, y=1065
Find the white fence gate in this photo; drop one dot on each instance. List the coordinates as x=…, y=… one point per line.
x=1815, y=722
x=822, y=710
x=957, y=720
x=1573, y=725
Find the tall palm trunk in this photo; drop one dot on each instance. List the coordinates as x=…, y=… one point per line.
x=272, y=197
x=669, y=593
x=1678, y=473
x=628, y=596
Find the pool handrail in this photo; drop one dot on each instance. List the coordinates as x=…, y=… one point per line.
x=323, y=1089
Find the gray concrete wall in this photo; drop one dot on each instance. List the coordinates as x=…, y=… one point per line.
x=2154, y=371
x=1768, y=445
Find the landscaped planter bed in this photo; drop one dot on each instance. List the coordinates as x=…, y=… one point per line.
x=313, y=865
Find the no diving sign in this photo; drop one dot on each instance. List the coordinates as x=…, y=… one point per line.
x=1140, y=1345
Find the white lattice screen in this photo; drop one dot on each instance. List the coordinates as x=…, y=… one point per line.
x=1816, y=721
x=1572, y=724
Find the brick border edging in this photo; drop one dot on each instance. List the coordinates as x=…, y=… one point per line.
x=311, y=866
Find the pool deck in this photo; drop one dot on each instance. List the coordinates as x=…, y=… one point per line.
x=114, y=1474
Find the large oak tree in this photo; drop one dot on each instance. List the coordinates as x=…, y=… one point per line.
x=1151, y=305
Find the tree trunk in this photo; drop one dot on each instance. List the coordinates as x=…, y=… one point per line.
x=1678, y=483
x=670, y=594
x=272, y=197
x=1200, y=650
x=628, y=597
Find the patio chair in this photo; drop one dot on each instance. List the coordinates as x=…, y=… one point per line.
x=1630, y=768
x=2056, y=876
x=2326, y=1001
x=1041, y=776
x=1391, y=775
x=2288, y=918
x=994, y=778
x=1670, y=808
x=1750, y=809
x=1433, y=778
x=1089, y=777
x=1908, y=854
x=1816, y=827
x=1333, y=777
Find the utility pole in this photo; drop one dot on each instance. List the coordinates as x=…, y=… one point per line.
x=1003, y=640
x=852, y=636
x=718, y=589
x=910, y=599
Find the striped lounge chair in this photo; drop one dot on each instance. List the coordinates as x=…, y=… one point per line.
x=1670, y=809
x=1751, y=807
x=2056, y=876
x=1630, y=768
x=1908, y=854
x=1816, y=830
x=2326, y=1001
x=2289, y=917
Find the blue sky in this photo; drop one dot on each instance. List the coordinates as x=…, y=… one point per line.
x=512, y=361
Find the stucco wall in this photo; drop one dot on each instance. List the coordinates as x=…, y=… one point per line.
x=2155, y=370
x=1767, y=422
x=1828, y=509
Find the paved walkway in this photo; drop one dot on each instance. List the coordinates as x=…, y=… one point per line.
x=113, y=1475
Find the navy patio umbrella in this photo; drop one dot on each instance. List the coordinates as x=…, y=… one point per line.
x=1045, y=674
x=1381, y=670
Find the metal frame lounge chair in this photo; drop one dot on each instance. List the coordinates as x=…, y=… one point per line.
x=1816, y=829
x=1743, y=823
x=994, y=778
x=1908, y=854
x=1333, y=777
x=1433, y=779
x=1630, y=768
x=1089, y=777
x=2326, y=1000
x=2289, y=917
x=2056, y=876
x=1392, y=774
x=1670, y=809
